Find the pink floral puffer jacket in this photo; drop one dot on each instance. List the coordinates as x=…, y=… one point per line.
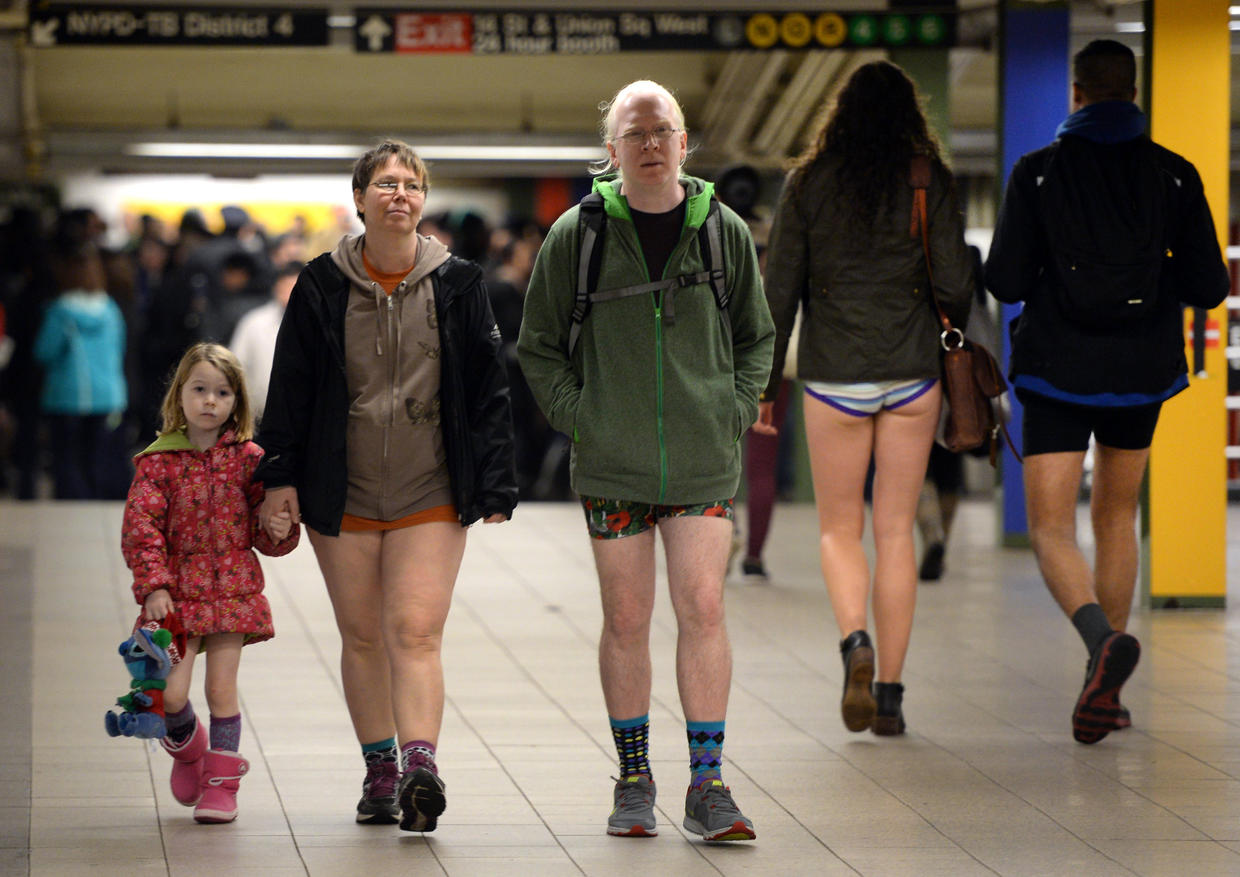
x=191, y=525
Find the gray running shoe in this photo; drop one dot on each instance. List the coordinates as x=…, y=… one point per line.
x=633, y=815
x=711, y=812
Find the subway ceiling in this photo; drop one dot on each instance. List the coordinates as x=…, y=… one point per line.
x=85, y=106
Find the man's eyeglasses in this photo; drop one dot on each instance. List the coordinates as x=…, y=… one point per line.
x=390, y=187
x=638, y=137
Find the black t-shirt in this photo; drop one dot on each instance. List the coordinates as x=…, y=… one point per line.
x=658, y=233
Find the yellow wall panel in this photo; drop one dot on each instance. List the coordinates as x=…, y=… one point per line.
x=1189, y=113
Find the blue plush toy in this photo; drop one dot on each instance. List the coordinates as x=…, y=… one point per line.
x=148, y=661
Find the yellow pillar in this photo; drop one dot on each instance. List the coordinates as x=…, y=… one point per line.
x=1186, y=544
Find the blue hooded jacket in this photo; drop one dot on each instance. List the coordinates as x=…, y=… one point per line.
x=81, y=345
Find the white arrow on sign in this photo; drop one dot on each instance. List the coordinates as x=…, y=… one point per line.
x=43, y=33
x=375, y=30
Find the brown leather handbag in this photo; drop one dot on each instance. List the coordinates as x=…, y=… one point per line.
x=972, y=380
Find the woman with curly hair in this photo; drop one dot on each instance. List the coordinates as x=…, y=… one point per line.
x=868, y=352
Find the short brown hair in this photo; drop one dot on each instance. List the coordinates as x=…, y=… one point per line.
x=376, y=157
x=241, y=420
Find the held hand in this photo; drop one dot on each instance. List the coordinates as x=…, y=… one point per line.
x=157, y=604
x=280, y=525
x=766, y=419
x=497, y=518
x=279, y=500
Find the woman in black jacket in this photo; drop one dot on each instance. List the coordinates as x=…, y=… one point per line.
x=869, y=354
x=388, y=431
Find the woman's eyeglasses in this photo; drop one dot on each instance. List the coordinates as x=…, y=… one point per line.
x=390, y=187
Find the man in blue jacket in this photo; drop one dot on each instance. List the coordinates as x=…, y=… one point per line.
x=1104, y=236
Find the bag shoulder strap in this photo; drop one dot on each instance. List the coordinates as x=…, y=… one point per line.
x=919, y=179
x=919, y=174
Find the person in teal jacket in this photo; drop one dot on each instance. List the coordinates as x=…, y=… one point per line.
x=81, y=346
x=655, y=394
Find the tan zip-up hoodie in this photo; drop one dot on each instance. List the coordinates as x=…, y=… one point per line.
x=395, y=453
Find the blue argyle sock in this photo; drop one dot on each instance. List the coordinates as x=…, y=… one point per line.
x=705, y=751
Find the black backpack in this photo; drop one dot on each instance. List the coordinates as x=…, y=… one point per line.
x=592, y=221
x=1107, y=242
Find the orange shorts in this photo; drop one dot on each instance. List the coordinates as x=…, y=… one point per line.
x=354, y=524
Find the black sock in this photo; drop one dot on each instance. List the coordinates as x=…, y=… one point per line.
x=1091, y=623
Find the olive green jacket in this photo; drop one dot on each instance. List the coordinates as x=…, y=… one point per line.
x=655, y=398
x=867, y=314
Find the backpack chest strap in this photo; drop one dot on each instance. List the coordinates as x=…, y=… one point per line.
x=668, y=284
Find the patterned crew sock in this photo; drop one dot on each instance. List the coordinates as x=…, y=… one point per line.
x=632, y=738
x=226, y=733
x=181, y=723
x=380, y=752
x=705, y=751
x=418, y=753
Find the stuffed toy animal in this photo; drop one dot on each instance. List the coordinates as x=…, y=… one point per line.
x=148, y=660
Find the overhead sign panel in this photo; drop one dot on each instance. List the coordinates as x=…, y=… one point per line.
x=204, y=26
x=524, y=32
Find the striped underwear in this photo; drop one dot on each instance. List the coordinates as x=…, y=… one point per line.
x=863, y=400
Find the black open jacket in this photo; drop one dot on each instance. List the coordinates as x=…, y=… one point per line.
x=304, y=423
x=1053, y=355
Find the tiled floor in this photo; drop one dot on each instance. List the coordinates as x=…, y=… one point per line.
x=988, y=780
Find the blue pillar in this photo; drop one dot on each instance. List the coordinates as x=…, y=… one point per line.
x=1033, y=100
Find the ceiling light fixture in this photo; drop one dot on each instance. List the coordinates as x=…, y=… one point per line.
x=331, y=151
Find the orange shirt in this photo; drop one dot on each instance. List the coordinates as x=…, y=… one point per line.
x=388, y=282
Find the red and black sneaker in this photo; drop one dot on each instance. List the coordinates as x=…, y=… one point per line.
x=1098, y=711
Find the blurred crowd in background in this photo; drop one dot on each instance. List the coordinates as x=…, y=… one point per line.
x=89, y=333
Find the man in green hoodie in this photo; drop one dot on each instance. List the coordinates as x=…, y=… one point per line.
x=655, y=392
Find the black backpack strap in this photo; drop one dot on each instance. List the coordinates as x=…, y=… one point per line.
x=591, y=219
x=710, y=242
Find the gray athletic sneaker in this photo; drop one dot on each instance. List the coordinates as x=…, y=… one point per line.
x=711, y=812
x=633, y=815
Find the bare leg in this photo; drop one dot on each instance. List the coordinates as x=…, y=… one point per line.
x=418, y=571
x=350, y=566
x=697, y=555
x=1052, y=482
x=1113, y=510
x=223, y=651
x=902, y=438
x=176, y=690
x=626, y=585
x=839, y=454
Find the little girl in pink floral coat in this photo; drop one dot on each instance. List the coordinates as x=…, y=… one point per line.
x=189, y=535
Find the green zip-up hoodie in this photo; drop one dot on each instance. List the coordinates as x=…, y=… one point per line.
x=655, y=398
